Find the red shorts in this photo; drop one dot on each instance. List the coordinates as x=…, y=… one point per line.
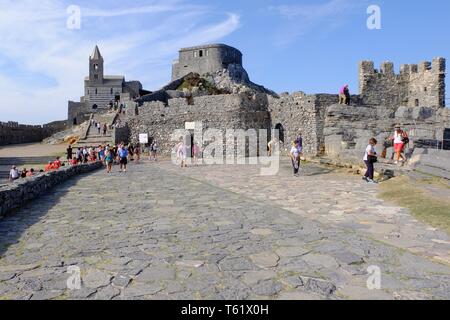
x=398, y=147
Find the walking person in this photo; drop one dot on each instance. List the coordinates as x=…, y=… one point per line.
x=182, y=153
x=370, y=157
x=196, y=153
x=105, y=128
x=272, y=146
x=295, y=158
x=69, y=153
x=99, y=127
x=400, y=139
x=154, y=150
x=109, y=159
x=123, y=156
x=137, y=151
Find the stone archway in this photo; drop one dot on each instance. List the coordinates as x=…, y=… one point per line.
x=281, y=131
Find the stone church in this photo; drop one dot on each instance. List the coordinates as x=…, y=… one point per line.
x=101, y=91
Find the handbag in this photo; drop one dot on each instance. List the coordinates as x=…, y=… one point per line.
x=372, y=159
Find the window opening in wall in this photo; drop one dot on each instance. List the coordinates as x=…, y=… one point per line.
x=94, y=106
x=111, y=91
x=425, y=89
x=96, y=76
x=417, y=102
x=96, y=91
x=200, y=53
x=95, y=66
x=207, y=52
x=195, y=54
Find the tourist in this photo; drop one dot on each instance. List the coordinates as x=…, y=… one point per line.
x=105, y=128
x=79, y=155
x=101, y=153
x=23, y=174
x=30, y=173
x=295, y=157
x=123, y=156
x=109, y=159
x=74, y=162
x=182, y=153
x=196, y=153
x=370, y=157
x=137, y=151
x=57, y=163
x=99, y=127
x=69, y=153
x=85, y=155
x=342, y=95
x=400, y=139
x=154, y=150
x=299, y=140
x=48, y=167
x=347, y=95
x=131, y=152
x=272, y=146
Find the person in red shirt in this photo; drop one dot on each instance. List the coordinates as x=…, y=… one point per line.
x=48, y=167
x=57, y=164
x=74, y=161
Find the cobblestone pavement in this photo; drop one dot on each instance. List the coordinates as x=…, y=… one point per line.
x=217, y=232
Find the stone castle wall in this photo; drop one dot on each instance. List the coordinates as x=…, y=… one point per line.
x=414, y=86
x=15, y=133
x=235, y=111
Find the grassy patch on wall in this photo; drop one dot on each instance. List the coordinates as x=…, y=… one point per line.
x=422, y=203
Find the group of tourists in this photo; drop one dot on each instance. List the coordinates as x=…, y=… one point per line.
x=344, y=95
x=15, y=173
x=398, y=141
x=100, y=127
x=181, y=150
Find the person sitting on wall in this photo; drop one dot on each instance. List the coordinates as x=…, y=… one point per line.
x=48, y=167
x=57, y=164
x=30, y=173
x=347, y=95
x=342, y=97
x=14, y=174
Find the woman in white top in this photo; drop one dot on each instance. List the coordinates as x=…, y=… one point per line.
x=399, y=144
x=368, y=160
x=295, y=157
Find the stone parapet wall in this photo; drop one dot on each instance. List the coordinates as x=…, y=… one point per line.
x=14, y=195
x=15, y=133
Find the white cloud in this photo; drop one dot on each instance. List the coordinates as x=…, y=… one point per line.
x=34, y=35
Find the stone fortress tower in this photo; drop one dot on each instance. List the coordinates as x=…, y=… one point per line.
x=206, y=59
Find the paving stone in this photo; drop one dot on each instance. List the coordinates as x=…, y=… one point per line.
x=156, y=273
x=265, y=259
x=267, y=288
x=236, y=264
x=96, y=278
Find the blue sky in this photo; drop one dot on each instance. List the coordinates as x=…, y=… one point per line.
x=304, y=45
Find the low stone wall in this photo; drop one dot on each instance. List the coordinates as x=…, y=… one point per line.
x=13, y=195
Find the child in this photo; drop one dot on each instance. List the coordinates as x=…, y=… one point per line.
x=369, y=160
x=295, y=157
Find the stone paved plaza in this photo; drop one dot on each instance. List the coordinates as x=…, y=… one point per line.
x=219, y=232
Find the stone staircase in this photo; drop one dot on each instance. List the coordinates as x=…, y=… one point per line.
x=93, y=138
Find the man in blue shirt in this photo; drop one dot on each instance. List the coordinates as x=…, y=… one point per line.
x=123, y=155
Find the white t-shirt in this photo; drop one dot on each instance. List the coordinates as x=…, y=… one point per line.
x=369, y=149
x=182, y=151
x=398, y=137
x=295, y=152
x=14, y=173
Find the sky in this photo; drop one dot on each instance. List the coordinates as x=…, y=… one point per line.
x=312, y=46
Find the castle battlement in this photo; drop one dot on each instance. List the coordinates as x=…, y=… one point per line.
x=416, y=85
